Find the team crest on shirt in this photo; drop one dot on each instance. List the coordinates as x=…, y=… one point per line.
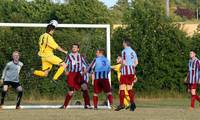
x=104, y=63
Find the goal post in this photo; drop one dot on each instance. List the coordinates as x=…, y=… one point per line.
x=87, y=26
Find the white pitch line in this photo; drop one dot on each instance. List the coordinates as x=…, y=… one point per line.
x=50, y=107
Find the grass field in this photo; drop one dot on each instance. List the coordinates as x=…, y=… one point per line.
x=147, y=109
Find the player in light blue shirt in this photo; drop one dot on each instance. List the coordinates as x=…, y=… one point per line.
x=129, y=62
x=101, y=68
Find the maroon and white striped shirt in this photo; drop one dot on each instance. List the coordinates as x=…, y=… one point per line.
x=193, y=71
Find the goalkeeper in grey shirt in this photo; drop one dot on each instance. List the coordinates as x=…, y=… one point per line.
x=10, y=77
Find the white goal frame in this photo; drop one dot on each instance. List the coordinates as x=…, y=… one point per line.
x=31, y=25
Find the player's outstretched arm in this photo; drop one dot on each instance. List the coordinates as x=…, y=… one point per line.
x=62, y=50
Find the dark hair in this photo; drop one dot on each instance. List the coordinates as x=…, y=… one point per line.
x=49, y=28
x=193, y=51
x=127, y=41
x=119, y=55
x=76, y=44
x=101, y=50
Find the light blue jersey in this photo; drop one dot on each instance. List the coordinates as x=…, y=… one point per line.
x=128, y=57
x=101, y=67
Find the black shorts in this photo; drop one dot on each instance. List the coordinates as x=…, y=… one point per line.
x=13, y=84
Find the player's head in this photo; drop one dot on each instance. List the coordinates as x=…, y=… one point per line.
x=192, y=54
x=15, y=56
x=126, y=42
x=119, y=59
x=75, y=47
x=100, y=52
x=51, y=26
x=50, y=29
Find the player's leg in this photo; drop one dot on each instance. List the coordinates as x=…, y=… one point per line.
x=193, y=96
x=95, y=101
x=86, y=96
x=107, y=89
x=57, y=61
x=131, y=96
x=126, y=99
x=46, y=67
x=19, y=96
x=71, y=83
x=122, y=87
x=97, y=89
x=121, y=97
x=68, y=97
x=3, y=94
x=59, y=71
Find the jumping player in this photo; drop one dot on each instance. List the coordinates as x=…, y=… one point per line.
x=193, y=77
x=46, y=46
x=75, y=76
x=101, y=68
x=10, y=77
x=117, y=69
x=129, y=62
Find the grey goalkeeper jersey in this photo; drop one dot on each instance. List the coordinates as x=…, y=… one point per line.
x=11, y=71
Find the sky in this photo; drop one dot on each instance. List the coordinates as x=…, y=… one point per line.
x=109, y=3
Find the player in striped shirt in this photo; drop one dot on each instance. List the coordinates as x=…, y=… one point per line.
x=101, y=68
x=129, y=62
x=117, y=69
x=193, y=77
x=75, y=71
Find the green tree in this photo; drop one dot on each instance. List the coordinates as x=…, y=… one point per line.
x=159, y=45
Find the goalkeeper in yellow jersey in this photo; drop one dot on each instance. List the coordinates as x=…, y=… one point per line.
x=47, y=45
x=117, y=69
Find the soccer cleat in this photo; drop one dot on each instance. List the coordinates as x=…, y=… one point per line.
x=127, y=107
x=63, y=107
x=132, y=107
x=18, y=107
x=87, y=107
x=119, y=108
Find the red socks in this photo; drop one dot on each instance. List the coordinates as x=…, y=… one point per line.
x=193, y=100
x=110, y=98
x=121, y=97
x=86, y=97
x=95, y=101
x=198, y=98
x=131, y=96
x=67, y=99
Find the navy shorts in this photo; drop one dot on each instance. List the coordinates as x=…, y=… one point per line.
x=13, y=84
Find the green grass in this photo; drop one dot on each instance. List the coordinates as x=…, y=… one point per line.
x=147, y=109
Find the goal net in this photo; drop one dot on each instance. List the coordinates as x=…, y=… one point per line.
x=24, y=37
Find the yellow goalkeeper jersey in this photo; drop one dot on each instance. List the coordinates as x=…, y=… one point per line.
x=117, y=69
x=46, y=45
